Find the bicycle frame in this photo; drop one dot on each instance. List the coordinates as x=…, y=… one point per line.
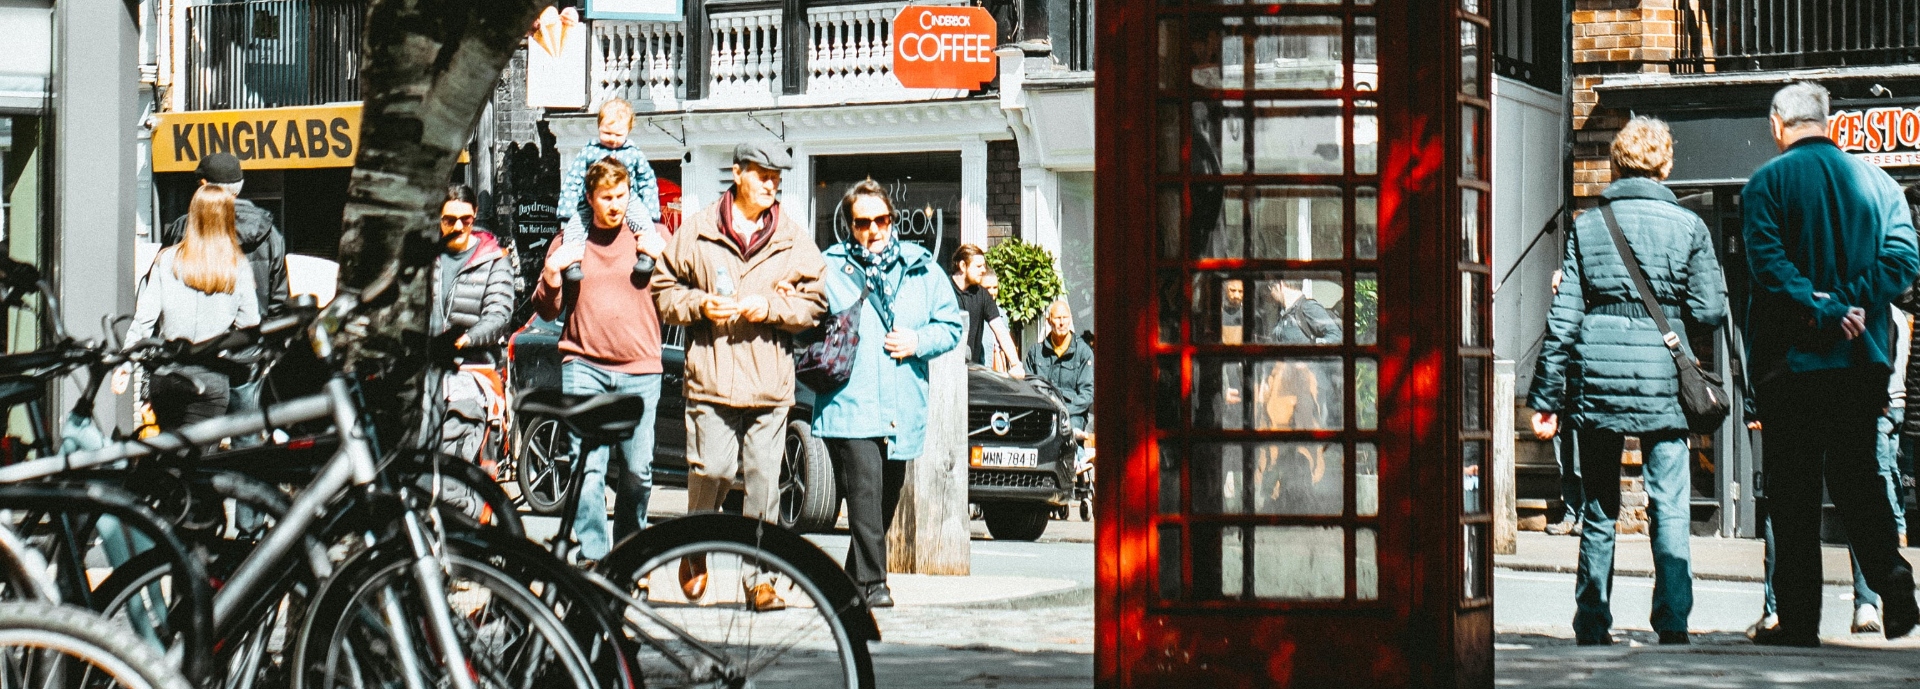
x=353, y=465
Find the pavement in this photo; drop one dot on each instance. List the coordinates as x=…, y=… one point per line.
x=1714, y=558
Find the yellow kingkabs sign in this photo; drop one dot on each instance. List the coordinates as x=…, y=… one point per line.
x=270, y=139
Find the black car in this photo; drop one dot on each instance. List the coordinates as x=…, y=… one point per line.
x=809, y=500
x=1020, y=452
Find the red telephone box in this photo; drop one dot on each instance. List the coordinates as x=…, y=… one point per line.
x=1293, y=374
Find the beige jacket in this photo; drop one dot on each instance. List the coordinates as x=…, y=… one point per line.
x=738, y=363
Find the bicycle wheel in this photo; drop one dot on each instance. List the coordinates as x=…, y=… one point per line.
x=47, y=645
x=809, y=643
x=542, y=464
x=137, y=596
x=524, y=619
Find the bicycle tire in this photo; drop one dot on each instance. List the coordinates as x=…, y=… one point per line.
x=543, y=478
x=77, y=632
x=836, y=598
x=588, y=626
x=145, y=572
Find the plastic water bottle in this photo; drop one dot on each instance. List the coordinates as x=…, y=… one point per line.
x=722, y=282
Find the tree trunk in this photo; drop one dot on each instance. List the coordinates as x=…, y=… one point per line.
x=428, y=68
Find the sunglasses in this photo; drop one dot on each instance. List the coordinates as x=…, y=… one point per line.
x=457, y=219
x=865, y=223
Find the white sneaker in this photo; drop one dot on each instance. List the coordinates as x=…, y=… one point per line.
x=1767, y=621
x=1866, y=620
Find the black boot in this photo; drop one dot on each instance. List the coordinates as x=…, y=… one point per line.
x=878, y=596
x=1898, y=612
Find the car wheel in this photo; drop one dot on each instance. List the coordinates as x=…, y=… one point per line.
x=809, y=499
x=1086, y=510
x=543, y=464
x=1016, y=522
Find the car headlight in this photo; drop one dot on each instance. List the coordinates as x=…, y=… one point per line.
x=1065, y=422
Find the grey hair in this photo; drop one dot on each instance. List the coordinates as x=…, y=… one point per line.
x=1060, y=303
x=1802, y=102
x=231, y=187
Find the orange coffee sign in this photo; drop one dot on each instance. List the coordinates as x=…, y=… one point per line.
x=944, y=47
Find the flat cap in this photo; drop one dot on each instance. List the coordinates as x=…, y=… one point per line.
x=220, y=168
x=769, y=156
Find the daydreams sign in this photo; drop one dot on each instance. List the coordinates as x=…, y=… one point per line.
x=1887, y=137
x=944, y=47
x=270, y=139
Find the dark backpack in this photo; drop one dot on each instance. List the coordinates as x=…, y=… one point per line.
x=824, y=361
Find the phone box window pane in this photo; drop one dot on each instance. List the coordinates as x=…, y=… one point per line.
x=1473, y=302
x=1298, y=479
x=1475, y=568
x=1171, y=298
x=1233, y=562
x=1279, y=394
x=1299, y=562
x=1473, y=455
x=1470, y=51
x=1366, y=222
x=1219, y=221
x=1169, y=479
x=1470, y=135
x=1167, y=392
x=1170, y=129
x=1366, y=565
x=1170, y=51
x=1470, y=225
x=1366, y=308
x=1219, y=144
x=1169, y=546
x=1366, y=384
x=1473, y=398
x=1297, y=53
x=1301, y=223
x=1297, y=137
x=1366, y=55
x=1170, y=208
x=1366, y=137
x=1282, y=307
x=1219, y=479
x=1366, y=479
x=1217, y=49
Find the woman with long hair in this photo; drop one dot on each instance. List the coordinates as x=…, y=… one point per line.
x=196, y=290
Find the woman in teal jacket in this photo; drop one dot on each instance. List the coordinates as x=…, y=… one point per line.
x=879, y=418
x=1605, y=368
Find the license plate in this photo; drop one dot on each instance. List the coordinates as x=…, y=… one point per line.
x=1009, y=457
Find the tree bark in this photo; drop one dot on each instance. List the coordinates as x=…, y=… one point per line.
x=428, y=68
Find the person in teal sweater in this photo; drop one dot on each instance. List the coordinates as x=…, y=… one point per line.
x=879, y=418
x=1829, y=244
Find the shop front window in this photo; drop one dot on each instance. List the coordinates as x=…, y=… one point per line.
x=925, y=188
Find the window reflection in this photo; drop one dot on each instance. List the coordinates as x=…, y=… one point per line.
x=1286, y=308
x=1285, y=394
x=1366, y=137
x=1366, y=565
x=1472, y=487
x=1299, y=223
x=1278, y=478
x=1366, y=60
x=1299, y=562
x=1366, y=479
x=1298, y=137
x=1297, y=53
x=1366, y=221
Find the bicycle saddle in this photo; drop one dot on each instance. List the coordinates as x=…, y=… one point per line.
x=604, y=419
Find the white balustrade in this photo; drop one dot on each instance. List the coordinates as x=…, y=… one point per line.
x=746, y=55
x=642, y=62
x=850, y=49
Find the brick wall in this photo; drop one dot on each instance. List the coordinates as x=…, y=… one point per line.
x=1611, y=37
x=1003, y=190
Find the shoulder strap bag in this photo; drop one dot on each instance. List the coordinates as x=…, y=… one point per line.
x=1703, y=397
x=824, y=361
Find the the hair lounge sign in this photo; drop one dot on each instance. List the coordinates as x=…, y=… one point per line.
x=270, y=139
x=1887, y=137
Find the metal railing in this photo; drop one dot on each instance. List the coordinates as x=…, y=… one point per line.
x=273, y=53
x=1753, y=35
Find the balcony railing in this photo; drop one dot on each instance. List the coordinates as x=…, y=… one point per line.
x=1751, y=35
x=849, y=57
x=273, y=53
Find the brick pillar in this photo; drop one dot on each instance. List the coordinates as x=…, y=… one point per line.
x=1611, y=37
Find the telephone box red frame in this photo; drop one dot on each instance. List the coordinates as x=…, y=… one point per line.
x=1432, y=622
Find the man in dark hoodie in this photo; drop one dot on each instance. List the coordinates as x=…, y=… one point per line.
x=266, y=252
x=263, y=244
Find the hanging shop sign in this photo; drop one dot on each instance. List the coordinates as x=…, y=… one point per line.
x=1887, y=137
x=271, y=139
x=944, y=47
x=557, y=61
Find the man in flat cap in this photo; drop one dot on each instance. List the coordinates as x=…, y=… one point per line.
x=743, y=275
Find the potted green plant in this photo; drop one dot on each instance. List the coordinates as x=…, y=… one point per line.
x=1029, y=282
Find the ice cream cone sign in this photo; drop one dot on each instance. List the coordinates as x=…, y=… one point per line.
x=557, y=60
x=551, y=29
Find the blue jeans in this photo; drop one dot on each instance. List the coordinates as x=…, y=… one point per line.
x=1669, y=519
x=1887, y=452
x=631, y=496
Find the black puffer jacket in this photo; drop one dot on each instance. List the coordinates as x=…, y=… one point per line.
x=481, y=301
x=266, y=251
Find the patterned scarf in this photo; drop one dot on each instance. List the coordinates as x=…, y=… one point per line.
x=875, y=267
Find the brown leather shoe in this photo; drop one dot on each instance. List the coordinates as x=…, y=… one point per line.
x=693, y=577
x=764, y=599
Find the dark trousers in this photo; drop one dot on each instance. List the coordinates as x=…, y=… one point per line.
x=872, y=486
x=1822, y=425
x=187, y=394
